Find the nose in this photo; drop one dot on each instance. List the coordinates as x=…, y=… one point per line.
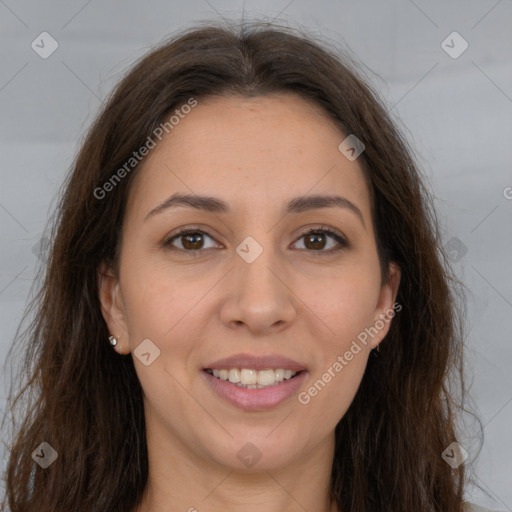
x=259, y=298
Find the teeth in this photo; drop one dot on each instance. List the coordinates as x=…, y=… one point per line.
x=266, y=377
x=248, y=376
x=252, y=379
x=234, y=375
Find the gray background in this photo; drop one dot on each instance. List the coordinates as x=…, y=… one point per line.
x=455, y=111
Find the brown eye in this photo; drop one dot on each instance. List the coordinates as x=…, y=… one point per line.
x=316, y=240
x=190, y=240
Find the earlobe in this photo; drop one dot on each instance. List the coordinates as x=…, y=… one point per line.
x=112, y=307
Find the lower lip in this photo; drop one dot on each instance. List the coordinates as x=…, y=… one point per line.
x=255, y=399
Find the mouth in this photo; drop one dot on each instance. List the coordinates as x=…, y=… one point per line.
x=249, y=378
x=254, y=390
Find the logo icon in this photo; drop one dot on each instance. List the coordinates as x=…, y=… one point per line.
x=454, y=45
x=146, y=352
x=40, y=248
x=351, y=147
x=44, y=45
x=44, y=455
x=249, y=249
x=454, y=455
x=455, y=249
x=249, y=455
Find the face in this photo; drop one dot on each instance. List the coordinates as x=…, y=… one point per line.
x=256, y=277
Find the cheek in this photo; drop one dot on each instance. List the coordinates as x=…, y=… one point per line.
x=333, y=386
x=174, y=309
x=347, y=310
x=166, y=309
x=330, y=392
x=163, y=308
x=344, y=305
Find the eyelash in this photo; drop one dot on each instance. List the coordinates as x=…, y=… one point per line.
x=343, y=243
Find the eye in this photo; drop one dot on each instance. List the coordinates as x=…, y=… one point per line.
x=316, y=240
x=191, y=240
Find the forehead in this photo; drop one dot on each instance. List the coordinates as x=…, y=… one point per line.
x=252, y=152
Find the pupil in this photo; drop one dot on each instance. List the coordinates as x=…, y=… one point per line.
x=313, y=238
x=194, y=236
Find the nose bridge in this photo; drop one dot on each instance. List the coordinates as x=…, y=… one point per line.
x=260, y=298
x=254, y=263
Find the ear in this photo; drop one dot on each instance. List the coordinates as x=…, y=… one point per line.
x=386, y=308
x=112, y=307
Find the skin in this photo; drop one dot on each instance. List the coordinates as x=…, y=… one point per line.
x=295, y=300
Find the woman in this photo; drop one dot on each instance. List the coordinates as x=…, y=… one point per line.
x=246, y=303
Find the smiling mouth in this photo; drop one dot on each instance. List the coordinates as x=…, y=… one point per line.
x=253, y=379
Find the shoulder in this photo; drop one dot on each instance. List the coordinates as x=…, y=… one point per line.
x=471, y=507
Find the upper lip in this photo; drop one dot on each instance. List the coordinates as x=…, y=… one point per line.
x=256, y=362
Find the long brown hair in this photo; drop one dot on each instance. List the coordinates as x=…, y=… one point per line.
x=85, y=400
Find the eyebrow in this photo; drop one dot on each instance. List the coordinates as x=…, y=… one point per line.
x=296, y=205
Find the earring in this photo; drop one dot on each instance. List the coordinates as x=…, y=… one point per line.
x=113, y=340
x=378, y=347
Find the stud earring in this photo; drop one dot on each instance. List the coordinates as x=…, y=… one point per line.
x=113, y=340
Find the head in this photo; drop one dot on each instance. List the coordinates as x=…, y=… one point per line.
x=260, y=124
